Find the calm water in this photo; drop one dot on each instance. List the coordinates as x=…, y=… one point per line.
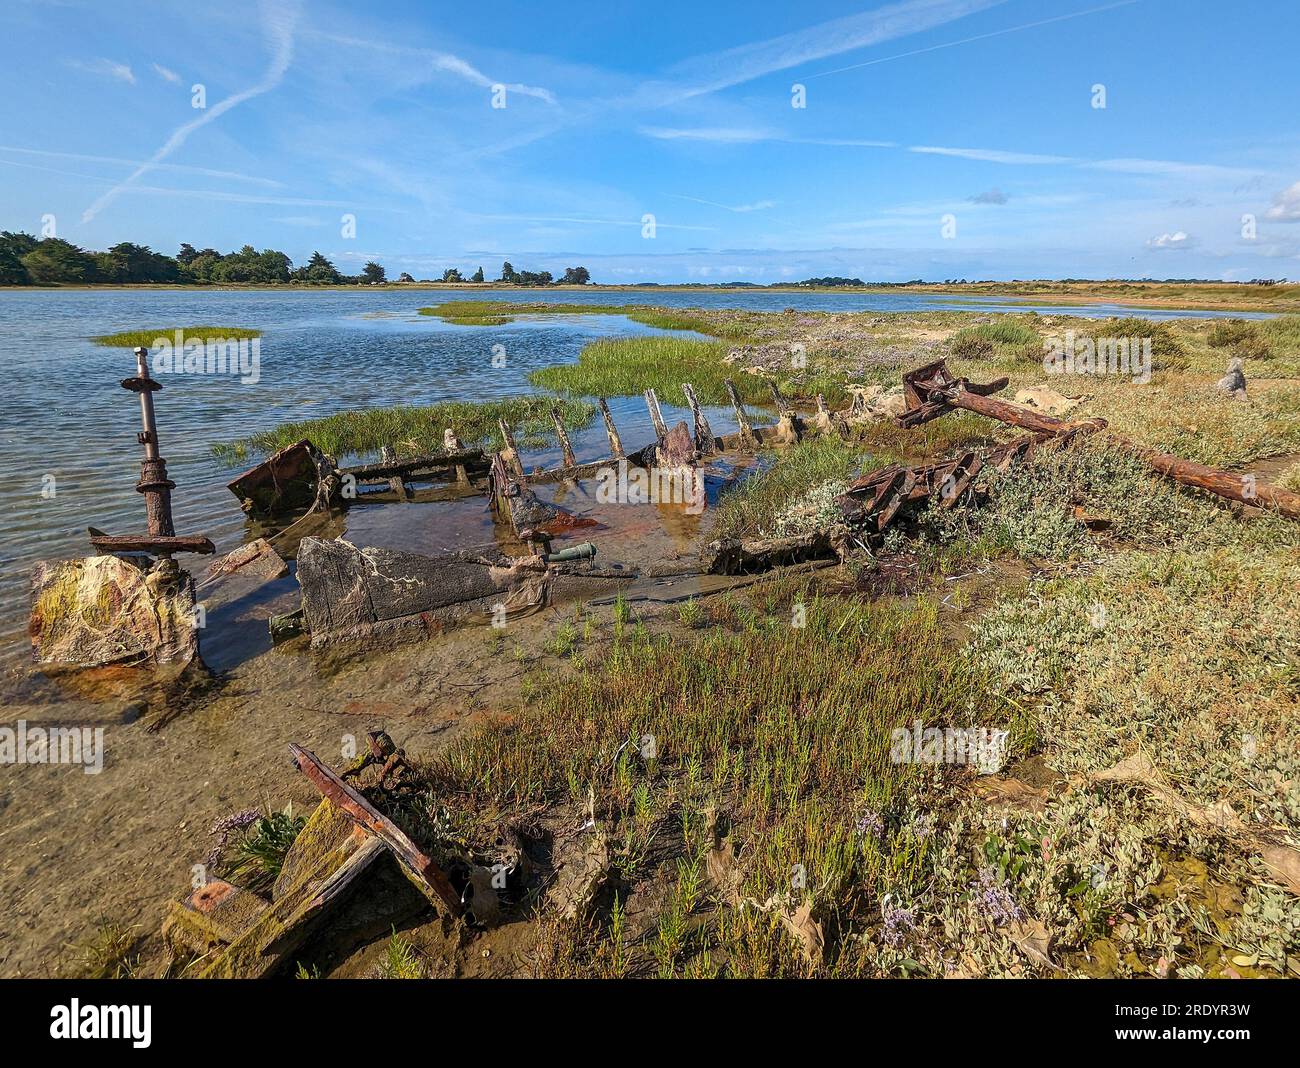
x=67, y=417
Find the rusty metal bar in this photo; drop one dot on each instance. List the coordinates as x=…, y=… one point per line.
x=154, y=483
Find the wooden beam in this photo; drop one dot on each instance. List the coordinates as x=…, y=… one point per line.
x=421, y=869
x=704, y=439
x=569, y=459
x=656, y=416
x=615, y=442
x=742, y=420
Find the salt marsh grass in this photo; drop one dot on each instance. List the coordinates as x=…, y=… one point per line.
x=415, y=429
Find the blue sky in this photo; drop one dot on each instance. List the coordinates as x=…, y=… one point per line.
x=975, y=113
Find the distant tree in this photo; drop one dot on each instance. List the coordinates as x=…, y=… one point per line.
x=318, y=269
x=56, y=260
x=373, y=272
x=131, y=263
x=199, y=269
x=508, y=273
x=533, y=278
x=13, y=247
x=187, y=254
x=575, y=276
x=477, y=276
x=404, y=277
x=452, y=274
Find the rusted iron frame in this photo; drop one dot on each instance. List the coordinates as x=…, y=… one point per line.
x=931, y=391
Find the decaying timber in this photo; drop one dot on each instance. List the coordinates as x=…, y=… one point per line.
x=237, y=934
x=109, y=610
x=931, y=391
x=350, y=593
x=283, y=482
x=427, y=876
x=512, y=499
x=743, y=556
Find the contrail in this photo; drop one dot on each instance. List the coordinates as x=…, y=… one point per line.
x=977, y=37
x=279, y=21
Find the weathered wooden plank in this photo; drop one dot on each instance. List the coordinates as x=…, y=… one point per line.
x=615, y=442
x=426, y=875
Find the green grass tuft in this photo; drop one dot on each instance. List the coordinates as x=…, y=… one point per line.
x=146, y=338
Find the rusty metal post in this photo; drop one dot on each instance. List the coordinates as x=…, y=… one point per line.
x=154, y=483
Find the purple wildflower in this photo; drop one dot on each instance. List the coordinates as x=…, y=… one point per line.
x=994, y=897
x=236, y=821
x=870, y=823
x=224, y=826
x=921, y=825
x=899, y=924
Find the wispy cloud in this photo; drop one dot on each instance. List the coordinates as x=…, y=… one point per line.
x=1175, y=168
x=991, y=155
x=742, y=135
x=445, y=62
x=735, y=66
x=733, y=135
x=278, y=23
x=989, y=196
x=107, y=67
x=976, y=37
x=581, y=220
x=183, y=168
x=166, y=73
x=740, y=209
x=1286, y=205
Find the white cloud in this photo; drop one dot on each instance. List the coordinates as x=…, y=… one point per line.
x=1178, y=239
x=1286, y=205
x=166, y=73
x=278, y=24
x=107, y=67
x=989, y=196
x=183, y=168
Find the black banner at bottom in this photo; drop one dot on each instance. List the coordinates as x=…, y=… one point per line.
x=304, y=1016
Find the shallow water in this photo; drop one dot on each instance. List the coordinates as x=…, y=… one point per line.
x=68, y=455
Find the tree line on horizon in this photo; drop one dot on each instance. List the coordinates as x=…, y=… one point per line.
x=28, y=260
